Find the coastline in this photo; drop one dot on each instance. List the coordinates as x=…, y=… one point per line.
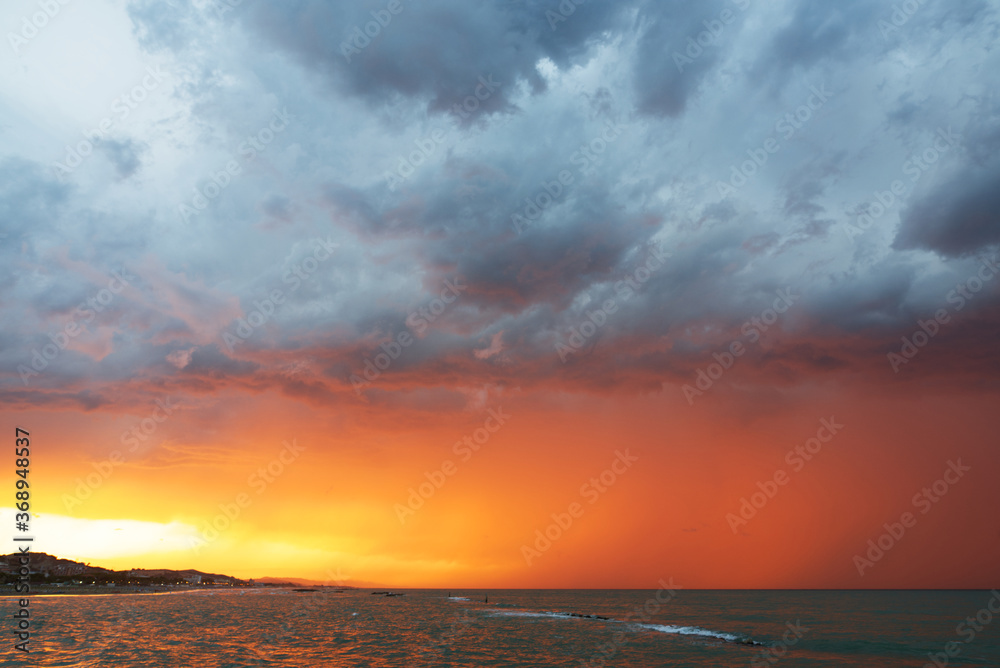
x=92, y=590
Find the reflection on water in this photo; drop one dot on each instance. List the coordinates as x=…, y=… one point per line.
x=274, y=627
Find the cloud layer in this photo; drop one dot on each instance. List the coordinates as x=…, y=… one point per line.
x=537, y=152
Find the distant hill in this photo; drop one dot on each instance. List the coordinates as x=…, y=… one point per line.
x=47, y=564
x=46, y=568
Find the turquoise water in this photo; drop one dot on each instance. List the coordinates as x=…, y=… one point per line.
x=517, y=628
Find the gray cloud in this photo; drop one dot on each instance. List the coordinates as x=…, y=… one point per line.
x=961, y=216
x=688, y=124
x=124, y=154
x=434, y=51
x=680, y=44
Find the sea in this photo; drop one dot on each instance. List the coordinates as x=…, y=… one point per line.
x=214, y=628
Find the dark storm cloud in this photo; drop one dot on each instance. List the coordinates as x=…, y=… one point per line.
x=652, y=66
x=86, y=400
x=277, y=207
x=437, y=51
x=582, y=236
x=819, y=31
x=124, y=154
x=680, y=44
x=961, y=216
x=822, y=34
x=210, y=362
x=550, y=265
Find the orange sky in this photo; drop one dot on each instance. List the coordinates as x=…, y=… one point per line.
x=334, y=507
x=335, y=264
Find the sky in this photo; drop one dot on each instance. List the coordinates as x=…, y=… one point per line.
x=513, y=293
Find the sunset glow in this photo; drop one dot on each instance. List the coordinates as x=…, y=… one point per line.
x=541, y=308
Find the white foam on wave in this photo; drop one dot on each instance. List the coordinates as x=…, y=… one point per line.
x=457, y=598
x=525, y=613
x=661, y=628
x=690, y=631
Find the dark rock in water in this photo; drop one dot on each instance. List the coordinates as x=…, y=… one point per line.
x=577, y=614
x=304, y=590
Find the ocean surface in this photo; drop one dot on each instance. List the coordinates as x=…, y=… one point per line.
x=211, y=629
